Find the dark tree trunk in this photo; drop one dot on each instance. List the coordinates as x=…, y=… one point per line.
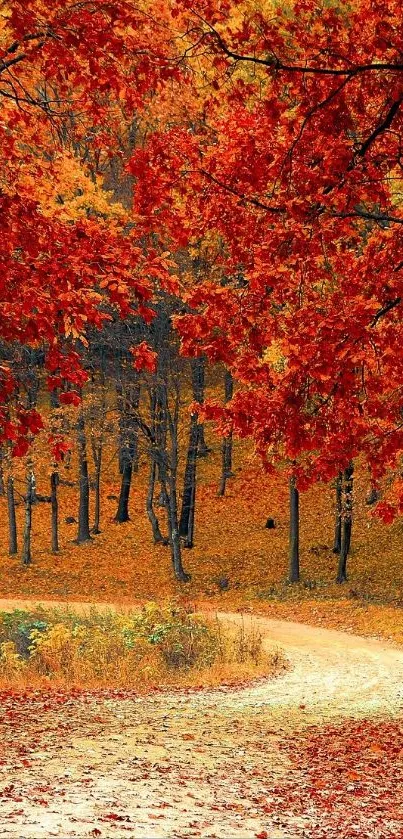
x=54, y=398
x=347, y=522
x=97, y=489
x=168, y=467
x=32, y=380
x=186, y=525
x=157, y=535
x=173, y=529
x=83, y=534
x=198, y=366
x=12, y=521
x=226, y=449
x=54, y=482
x=2, y=485
x=29, y=499
x=294, y=532
x=337, y=526
x=128, y=454
x=128, y=402
x=122, y=513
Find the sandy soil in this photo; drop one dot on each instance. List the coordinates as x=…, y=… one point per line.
x=192, y=764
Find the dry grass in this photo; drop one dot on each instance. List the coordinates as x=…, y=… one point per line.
x=154, y=647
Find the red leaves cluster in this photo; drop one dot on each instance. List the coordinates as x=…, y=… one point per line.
x=292, y=176
x=144, y=358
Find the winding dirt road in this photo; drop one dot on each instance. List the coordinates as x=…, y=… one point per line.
x=198, y=764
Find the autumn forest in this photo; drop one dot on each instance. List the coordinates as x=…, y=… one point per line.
x=201, y=418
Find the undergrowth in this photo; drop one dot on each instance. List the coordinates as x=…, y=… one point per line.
x=155, y=646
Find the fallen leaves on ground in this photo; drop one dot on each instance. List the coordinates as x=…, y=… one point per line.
x=104, y=764
x=122, y=566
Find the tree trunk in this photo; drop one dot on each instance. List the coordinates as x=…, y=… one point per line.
x=226, y=449
x=128, y=403
x=54, y=398
x=84, y=484
x=128, y=452
x=197, y=366
x=337, y=527
x=97, y=453
x=347, y=522
x=2, y=485
x=54, y=482
x=158, y=538
x=12, y=521
x=186, y=525
x=294, y=532
x=173, y=529
x=168, y=467
x=122, y=513
x=29, y=497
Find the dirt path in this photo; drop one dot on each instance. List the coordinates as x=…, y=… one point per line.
x=196, y=764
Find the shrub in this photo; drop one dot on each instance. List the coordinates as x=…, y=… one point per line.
x=157, y=645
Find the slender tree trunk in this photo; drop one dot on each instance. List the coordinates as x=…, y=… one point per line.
x=226, y=448
x=54, y=482
x=186, y=525
x=2, y=485
x=128, y=402
x=347, y=522
x=128, y=457
x=337, y=527
x=122, y=427
x=54, y=398
x=168, y=468
x=84, y=483
x=97, y=490
x=157, y=535
x=32, y=380
x=122, y=513
x=198, y=366
x=173, y=529
x=294, y=532
x=29, y=498
x=12, y=521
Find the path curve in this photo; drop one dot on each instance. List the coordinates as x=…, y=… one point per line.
x=173, y=762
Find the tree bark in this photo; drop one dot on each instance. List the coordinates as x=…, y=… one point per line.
x=54, y=398
x=347, y=522
x=294, y=532
x=187, y=518
x=84, y=483
x=122, y=513
x=2, y=485
x=128, y=453
x=337, y=527
x=226, y=448
x=173, y=529
x=54, y=482
x=158, y=538
x=97, y=490
x=198, y=366
x=29, y=498
x=12, y=521
x=168, y=467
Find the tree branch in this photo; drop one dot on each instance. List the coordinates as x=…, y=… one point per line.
x=383, y=126
x=385, y=309
x=240, y=195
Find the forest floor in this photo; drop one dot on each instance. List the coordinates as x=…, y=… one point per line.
x=316, y=752
x=232, y=544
